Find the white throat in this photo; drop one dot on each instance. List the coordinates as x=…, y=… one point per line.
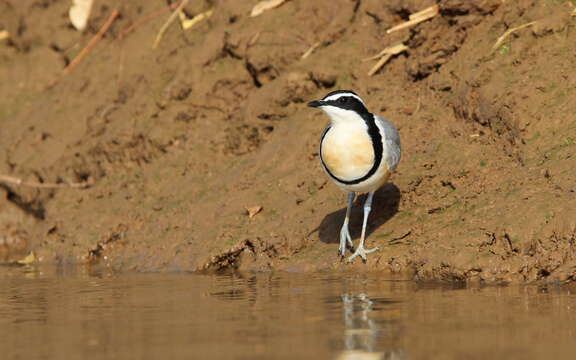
x=340, y=116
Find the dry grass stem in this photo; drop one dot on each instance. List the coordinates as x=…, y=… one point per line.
x=188, y=23
x=253, y=40
x=147, y=18
x=508, y=33
x=113, y=15
x=432, y=10
x=310, y=50
x=18, y=181
x=385, y=55
x=416, y=18
x=264, y=6
x=168, y=22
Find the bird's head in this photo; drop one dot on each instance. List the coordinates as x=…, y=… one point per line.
x=341, y=106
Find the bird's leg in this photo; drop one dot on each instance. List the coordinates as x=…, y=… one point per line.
x=360, y=251
x=344, y=232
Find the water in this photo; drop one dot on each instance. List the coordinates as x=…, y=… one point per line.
x=77, y=314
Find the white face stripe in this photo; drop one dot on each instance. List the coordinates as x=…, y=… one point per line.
x=339, y=95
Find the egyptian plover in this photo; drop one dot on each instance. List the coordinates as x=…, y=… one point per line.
x=358, y=152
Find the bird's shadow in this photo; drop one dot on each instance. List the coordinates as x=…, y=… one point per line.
x=384, y=207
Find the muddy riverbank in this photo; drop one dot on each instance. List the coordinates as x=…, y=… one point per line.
x=177, y=141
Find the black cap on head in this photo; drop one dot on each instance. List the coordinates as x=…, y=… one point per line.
x=343, y=99
x=335, y=92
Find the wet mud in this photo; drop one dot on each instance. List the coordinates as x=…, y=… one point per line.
x=176, y=142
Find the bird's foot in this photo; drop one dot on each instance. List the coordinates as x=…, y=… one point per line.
x=344, y=238
x=360, y=251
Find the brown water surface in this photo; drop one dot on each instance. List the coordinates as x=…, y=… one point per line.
x=74, y=314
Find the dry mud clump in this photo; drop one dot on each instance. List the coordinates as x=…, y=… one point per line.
x=178, y=140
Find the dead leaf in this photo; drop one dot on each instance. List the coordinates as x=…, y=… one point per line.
x=253, y=210
x=28, y=259
x=264, y=6
x=4, y=34
x=79, y=13
x=188, y=23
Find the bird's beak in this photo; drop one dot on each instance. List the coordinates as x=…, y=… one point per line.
x=316, y=103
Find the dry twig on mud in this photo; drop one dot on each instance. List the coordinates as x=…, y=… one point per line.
x=18, y=181
x=147, y=18
x=384, y=56
x=188, y=23
x=416, y=18
x=207, y=107
x=311, y=50
x=265, y=5
x=508, y=33
x=170, y=20
x=113, y=15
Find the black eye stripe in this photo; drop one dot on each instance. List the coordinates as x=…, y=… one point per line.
x=348, y=103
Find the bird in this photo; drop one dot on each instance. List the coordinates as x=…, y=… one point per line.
x=358, y=151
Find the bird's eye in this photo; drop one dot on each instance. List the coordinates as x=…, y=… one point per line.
x=343, y=100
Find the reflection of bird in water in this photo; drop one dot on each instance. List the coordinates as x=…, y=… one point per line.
x=362, y=333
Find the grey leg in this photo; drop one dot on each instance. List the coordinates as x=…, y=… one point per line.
x=344, y=232
x=360, y=251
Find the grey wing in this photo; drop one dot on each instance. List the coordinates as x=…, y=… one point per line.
x=391, y=142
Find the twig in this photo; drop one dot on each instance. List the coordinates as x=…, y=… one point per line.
x=416, y=18
x=419, y=103
x=92, y=41
x=207, y=107
x=113, y=15
x=188, y=23
x=170, y=20
x=508, y=33
x=147, y=18
x=310, y=50
x=18, y=181
x=396, y=240
x=264, y=6
x=253, y=40
x=383, y=60
x=429, y=10
x=385, y=55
